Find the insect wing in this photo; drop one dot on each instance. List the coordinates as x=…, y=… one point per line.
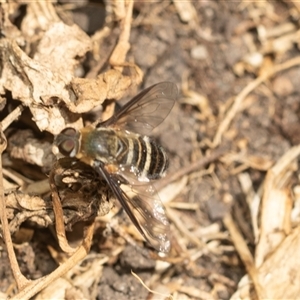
x=146, y=110
x=150, y=213
x=143, y=206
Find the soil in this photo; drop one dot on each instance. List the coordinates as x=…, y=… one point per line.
x=208, y=59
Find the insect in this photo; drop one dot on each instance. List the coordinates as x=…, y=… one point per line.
x=122, y=154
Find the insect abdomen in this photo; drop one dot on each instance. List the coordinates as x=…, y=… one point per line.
x=146, y=156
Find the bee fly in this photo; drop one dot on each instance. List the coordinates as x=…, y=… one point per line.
x=121, y=153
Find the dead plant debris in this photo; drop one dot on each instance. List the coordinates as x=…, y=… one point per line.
x=232, y=190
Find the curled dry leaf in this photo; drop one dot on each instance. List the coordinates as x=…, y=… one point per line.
x=21, y=208
x=279, y=273
x=277, y=209
x=42, y=86
x=109, y=85
x=36, y=85
x=26, y=202
x=60, y=48
x=82, y=193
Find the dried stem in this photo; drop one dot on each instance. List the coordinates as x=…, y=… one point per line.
x=245, y=254
x=19, y=277
x=195, y=166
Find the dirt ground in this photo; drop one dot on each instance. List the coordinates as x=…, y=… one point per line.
x=231, y=191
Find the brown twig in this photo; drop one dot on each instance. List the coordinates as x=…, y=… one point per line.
x=19, y=277
x=15, y=114
x=118, y=56
x=195, y=166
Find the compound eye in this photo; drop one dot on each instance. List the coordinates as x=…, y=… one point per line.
x=66, y=147
x=68, y=142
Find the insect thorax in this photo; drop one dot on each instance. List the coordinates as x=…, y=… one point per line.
x=100, y=144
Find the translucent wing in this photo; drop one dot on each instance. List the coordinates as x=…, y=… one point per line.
x=143, y=206
x=146, y=110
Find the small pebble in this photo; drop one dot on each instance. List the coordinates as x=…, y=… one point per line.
x=199, y=52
